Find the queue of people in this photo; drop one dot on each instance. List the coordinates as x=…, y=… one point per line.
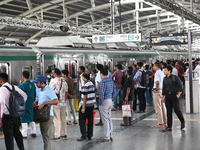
x=162, y=90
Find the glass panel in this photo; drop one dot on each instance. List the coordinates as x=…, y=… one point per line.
x=3, y=68
x=66, y=66
x=29, y=69
x=73, y=70
x=51, y=66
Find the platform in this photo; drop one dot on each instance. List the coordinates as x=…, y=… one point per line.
x=140, y=136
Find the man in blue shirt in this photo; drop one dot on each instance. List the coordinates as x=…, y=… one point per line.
x=106, y=94
x=47, y=96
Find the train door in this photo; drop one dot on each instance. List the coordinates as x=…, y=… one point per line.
x=71, y=66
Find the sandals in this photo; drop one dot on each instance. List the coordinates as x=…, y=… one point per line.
x=75, y=122
x=69, y=123
x=124, y=124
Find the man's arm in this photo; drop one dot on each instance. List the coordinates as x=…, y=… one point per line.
x=127, y=93
x=157, y=86
x=52, y=102
x=84, y=103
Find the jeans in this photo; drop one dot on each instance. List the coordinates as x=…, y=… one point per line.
x=118, y=91
x=148, y=94
x=70, y=104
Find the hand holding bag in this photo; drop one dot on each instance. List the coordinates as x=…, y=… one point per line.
x=126, y=110
x=41, y=115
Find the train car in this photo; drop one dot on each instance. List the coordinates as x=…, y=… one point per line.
x=14, y=60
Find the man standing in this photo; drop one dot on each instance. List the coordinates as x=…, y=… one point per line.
x=10, y=125
x=97, y=84
x=174, y=70
x=105, y=104
x=172, y=88
x=159, y=106
x=47, y=96
x=81, y=69
x=61, y=89
x=69, y=101
x=117, y=78
x=140, y=89
x=29, y=88
x=87, y=107
x=128, y=96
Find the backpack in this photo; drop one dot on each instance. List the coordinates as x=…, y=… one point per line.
x=144, y=79
x=16, y=103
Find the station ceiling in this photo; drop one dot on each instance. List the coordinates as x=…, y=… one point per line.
x=29, y=20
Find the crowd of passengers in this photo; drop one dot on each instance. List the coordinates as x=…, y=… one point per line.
x=101, y=88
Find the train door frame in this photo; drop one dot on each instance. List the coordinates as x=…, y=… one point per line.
x=31, y=73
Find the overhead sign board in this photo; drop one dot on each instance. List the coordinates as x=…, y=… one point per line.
x=114, y=38
x=169, y=39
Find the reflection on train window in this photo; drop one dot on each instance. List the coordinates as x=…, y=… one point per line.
x=74, y=70
x=51, y=66
x=90, y=66
x=29, y=69
x=66, y=66
x=3, y=68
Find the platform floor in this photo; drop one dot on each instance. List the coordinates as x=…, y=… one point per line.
x=140, y=136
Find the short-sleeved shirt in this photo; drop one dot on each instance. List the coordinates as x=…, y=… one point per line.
x=55, y=84
x=45, y=95
x=175, y=71
x=70, y=83
x=137, y=78
x=97, y=79
x=159, y=75
x=129, y=83
x=89, y=90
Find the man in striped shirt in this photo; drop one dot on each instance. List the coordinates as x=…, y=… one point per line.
x=87, y=107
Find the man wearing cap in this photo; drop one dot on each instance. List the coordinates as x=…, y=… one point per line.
x=47, y=96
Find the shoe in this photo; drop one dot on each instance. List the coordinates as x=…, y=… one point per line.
x=139, y=112
x=182, y=125
x=158, y=126
x=111, y=139
x=24, y=137
x=105, y=141
x=69, y=123
x=99, y=124
x=56, y=139
x=64, y=137
x=167, y=129
x=89, y=138
x=119, y=108
x=75, y=122
x=124, y=124
x=81, y=139
x=114, y=109
x=33, y=135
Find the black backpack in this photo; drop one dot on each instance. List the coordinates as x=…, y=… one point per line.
x=16, y=103
x=144, y=79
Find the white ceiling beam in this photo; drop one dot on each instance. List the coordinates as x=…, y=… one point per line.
x=30, y=7
x=5, y=1
x=93, y=5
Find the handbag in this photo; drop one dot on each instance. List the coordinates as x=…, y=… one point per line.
x=41, y=115
x=126, y=110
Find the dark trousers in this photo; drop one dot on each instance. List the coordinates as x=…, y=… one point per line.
x=171, y=101
x=10, y=130
x=135, y=101
x=82, y=118
x=142, y=99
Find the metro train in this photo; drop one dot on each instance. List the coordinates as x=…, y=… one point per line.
x=14, y=60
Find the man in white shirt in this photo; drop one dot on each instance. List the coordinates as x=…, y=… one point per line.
x=174, y=70
x=10, y=124
x=157, y=96
x=197, y=66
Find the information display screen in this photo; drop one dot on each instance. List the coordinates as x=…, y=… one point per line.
x=169, y=39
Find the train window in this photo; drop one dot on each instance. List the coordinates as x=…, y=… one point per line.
x=51, y=66
x=74, y=70
x=66, y=66
x=29, y=69
x=3, y=68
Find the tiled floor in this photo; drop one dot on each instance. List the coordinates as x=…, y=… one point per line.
x=140, y=136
